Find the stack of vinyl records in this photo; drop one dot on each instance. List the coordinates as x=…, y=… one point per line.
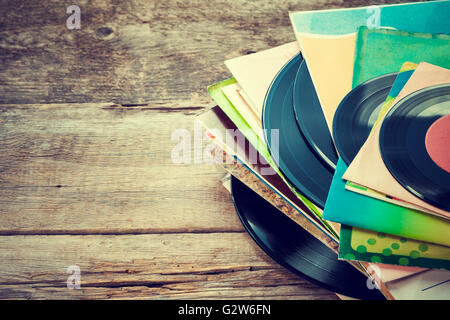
x=338, y=146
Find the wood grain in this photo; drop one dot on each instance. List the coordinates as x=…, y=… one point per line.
x=171, y=266
x=102, y=168
x=162, y=53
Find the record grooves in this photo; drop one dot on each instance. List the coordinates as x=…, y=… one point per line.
x=300, y=165
x=403, y=149
x=356, y=115
x=310, y=118
x=294, y=248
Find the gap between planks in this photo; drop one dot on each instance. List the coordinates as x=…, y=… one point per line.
x=6, y=233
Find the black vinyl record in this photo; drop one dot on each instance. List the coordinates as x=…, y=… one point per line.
x=310, y=118
x=403, y=149
x=296, y=160
x=357, y=113
x=294, y=248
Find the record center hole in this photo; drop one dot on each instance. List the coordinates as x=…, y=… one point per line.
x=437, y=142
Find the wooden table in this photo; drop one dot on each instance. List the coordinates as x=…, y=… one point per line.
x=86, y=175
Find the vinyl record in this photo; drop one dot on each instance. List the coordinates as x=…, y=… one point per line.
x=294, y=248
x=357, y=113
x=289, y=149
x=405, y=151
x=310, y=118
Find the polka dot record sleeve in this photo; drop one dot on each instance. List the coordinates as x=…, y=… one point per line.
x=371, y=246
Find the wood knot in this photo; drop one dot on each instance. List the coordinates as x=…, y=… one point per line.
x=105, y=32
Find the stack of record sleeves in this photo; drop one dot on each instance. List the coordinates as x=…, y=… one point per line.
x=338, y=146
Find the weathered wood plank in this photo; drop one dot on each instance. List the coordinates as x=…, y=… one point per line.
x=181, y=266
x=162, y=53
x=275, y=290
x=102, y=168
